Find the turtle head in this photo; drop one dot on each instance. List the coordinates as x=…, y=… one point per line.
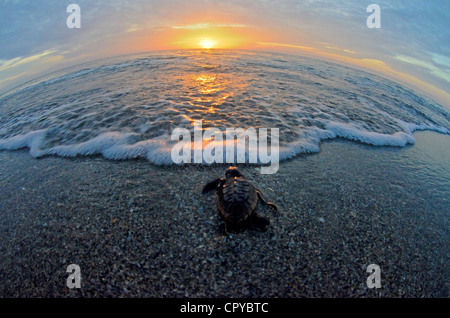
x=233, y=172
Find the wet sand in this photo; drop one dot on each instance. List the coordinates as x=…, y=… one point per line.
x=139, y=230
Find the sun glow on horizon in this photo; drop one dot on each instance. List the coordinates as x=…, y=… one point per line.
x=207, y=44
x=198, y=34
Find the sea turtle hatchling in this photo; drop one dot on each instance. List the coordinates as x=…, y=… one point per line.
x=237, y=200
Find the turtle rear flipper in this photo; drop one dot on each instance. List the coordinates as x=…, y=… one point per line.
x=258, y=223
x=228, y=227
x=264, y=200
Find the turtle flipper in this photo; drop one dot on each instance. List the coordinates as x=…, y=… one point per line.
x=258, y=223
x=229, y=228
x=213, y=185
x=263, y=199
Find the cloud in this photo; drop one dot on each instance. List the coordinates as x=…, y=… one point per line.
x=133, y=28
x=12, y=77
x=19, y=61
x=335, y=48
x=443, y=61
x=430, y=67
x=301, y=47
x=208, y=26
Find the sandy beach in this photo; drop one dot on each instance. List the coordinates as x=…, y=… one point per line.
x=140, y=230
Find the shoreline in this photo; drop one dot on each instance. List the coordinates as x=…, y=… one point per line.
x=140, y=230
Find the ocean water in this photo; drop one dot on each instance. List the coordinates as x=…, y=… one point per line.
x=127, y=107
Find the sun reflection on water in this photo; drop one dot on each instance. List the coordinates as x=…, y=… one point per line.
x=207, y=92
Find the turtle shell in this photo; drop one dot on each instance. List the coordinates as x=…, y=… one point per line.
x=237, y=200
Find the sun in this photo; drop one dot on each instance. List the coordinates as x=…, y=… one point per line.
x=207, y=44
